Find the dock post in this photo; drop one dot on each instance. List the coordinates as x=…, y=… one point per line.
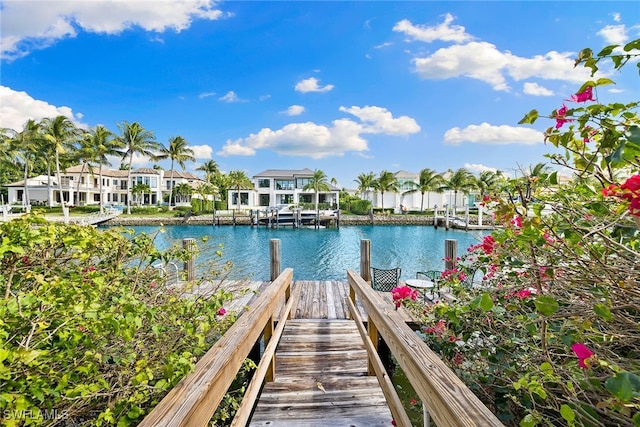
x=189, y=244
x=338, y=219
x=274, y=250
x=467, y=218
x=480, y=208
x=446, y=217
x=450, y=253
x=365, y=259
x=435, y=216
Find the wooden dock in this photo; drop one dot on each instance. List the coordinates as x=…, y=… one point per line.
x=319, y=362
x=335, y=389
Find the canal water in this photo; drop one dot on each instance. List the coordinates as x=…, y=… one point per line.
x=315, y=254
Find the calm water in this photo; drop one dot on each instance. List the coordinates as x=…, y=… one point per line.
x=323, y=254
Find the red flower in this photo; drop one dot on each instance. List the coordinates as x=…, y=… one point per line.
x=583, y=354
x=488, y=244
x=414, y=402
x=222, y=311
x=629, y=191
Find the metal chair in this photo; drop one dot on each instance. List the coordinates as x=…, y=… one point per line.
x=385, y=279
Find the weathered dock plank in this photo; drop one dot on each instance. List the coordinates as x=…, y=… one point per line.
x=321, y=379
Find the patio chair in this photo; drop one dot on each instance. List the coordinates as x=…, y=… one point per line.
x=385, y=279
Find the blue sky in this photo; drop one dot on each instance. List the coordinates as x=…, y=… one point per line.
x=345, y=87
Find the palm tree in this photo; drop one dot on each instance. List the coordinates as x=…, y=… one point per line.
x=135, y=139
x=177, y=152
x=318, y=182
x=210, y=168
x=183, y=189
x=238, y=179
x=204, y=190
x=429, y=180
x=62, y=134
x=140, y=189
x=25, y=144
x=365, y=182
x=85, y=155
x=488, y=182
x=386, y=181
x=460, y=180
x=103, y=144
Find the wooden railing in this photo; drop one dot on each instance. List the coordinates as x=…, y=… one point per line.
x=193, y=401
x=448, y=400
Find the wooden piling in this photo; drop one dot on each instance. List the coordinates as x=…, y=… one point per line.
x=365, y=259
x=450, y=253
x=189, y=244
x=276, y=261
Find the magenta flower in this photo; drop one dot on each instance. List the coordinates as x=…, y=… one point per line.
x=584, y=96
x=583, y=354
x=402, y=293
x=222, y=311
x=561, y=116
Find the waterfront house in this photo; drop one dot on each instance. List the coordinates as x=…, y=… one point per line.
x=81, y=186
x=277, y=187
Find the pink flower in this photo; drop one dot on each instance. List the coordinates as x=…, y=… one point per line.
x=517, y=221
x=222, y=311
x=632, y=184
x=524, y=293
x=583, y=354
x=584, y=96
x=629, y=191
x=402, y=293
x=560, y=116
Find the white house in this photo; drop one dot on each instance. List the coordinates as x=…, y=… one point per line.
x=82, y=187
x=274, y=187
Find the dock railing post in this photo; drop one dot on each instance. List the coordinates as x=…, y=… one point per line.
x=274, y=250
x=480, y=209
x=435, y=216
x=450, y=253
x=189, y=244
x=365, y=259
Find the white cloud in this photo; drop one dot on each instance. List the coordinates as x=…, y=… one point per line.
x=201, y=151
x=264, y=97
x=476, y=167
x=318, y=141
x=18, y=107
x=294, y=110
x=231, y=97
x=616, y=16
x=536, y=90
x=614, y=90
x=614, y=34
x=28, y=25
x=444, y=31
x=311, y=85
x=206, y=94
x=383, y=45
x=484, y=62
x=380, y=120
x=493, y=135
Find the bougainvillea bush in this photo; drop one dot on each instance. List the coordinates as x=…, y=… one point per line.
x=90, y=334
x=550, y=334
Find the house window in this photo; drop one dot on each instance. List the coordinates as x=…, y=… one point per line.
x=305, y=198
x=285, y=199
x=154, y=182
x=263, y=200
x=301, y=182
x=244, y=199
x=115, y=183
x=284, y=184
x=264, y=183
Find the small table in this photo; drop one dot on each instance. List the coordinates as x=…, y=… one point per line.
x=424, y=285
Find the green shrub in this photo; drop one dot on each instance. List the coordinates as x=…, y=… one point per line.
x=360, y=207
x=88, y=329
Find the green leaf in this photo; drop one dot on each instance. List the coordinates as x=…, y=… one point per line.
x=553, y=178
x=607, y=50
x=624, y=385
x=546, y=305
x=604, y=82
x=634, y=44
x=567, y=413
x=529, y=118
x=486, y=303
x=602, y=311
x=528, y=421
